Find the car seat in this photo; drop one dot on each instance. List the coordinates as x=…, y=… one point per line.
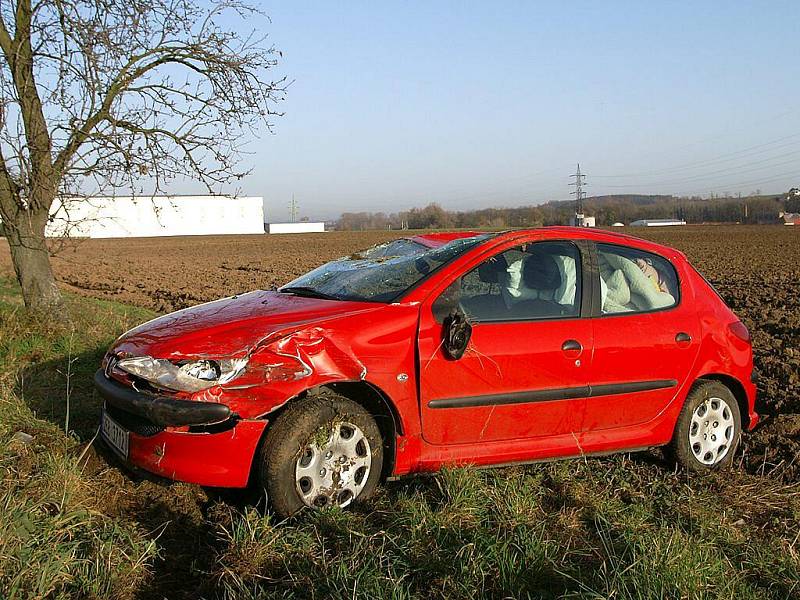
x=489, y=305
x=532, y=285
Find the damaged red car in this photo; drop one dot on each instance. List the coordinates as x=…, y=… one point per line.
x=439, y=349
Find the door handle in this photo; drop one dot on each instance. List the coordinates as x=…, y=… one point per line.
x=571, y=346
x=683, y=338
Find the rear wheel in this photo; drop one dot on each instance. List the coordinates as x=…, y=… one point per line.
x=321, y=452
x=708, y=429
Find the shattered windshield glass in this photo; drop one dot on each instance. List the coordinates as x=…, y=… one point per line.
x=401, y=247
x=378, y=274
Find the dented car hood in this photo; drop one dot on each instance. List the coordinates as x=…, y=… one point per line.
x=232, y=327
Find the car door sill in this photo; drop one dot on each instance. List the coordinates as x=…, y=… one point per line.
x=550, y=459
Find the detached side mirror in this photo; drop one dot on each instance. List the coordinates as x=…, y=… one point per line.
x=457, y=333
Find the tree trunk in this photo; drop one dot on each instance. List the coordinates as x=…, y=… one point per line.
x=31, y=259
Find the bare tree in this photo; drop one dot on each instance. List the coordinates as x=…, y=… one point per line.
x=98, y=95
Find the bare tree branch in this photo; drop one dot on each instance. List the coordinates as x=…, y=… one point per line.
x=101, y=95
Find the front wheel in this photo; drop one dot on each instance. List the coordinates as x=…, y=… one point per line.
x=322, y=451
x=708, y=429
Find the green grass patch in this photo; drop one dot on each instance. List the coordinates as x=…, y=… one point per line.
x=58, y=538
x=604, y=528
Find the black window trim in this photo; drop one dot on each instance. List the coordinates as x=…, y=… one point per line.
x=587, y=283
x=597, y=309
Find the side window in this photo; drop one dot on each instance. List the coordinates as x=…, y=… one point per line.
x=541, y=280
x=635, y=281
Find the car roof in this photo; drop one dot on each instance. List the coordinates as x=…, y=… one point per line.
x=439, y=238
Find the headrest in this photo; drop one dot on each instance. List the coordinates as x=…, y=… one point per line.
x=489, y=271
x=541, y=272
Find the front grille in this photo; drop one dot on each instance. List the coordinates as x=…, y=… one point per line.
x=135, y=423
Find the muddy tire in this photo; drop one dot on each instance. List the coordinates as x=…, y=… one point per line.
x=322, y=451
x=708, y=429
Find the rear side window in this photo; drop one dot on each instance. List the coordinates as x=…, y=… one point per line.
x=634, y=281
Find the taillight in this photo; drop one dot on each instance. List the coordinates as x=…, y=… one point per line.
x=740, y=331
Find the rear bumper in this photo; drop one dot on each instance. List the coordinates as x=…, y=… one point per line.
x=752, y=416
x=221, y=459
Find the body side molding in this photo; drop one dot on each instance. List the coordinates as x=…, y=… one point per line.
x=549, y=395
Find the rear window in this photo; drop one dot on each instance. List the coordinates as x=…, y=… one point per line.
x=634, y=281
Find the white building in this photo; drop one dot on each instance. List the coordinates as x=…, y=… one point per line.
x=581, y=220
x=301, y=227
x=148, y=216
x=657, y=222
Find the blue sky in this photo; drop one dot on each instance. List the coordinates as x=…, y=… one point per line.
x=473, y=104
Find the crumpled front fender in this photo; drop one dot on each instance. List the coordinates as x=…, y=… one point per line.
x=279, y=370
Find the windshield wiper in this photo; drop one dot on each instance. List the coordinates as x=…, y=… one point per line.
x=307, y=292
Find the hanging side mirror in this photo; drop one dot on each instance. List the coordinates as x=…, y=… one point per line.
x=457, y=333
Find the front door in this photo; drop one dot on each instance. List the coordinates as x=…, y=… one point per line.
x=525, y=371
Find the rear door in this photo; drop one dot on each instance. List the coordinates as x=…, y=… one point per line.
x=646, y=337
x=525, y=371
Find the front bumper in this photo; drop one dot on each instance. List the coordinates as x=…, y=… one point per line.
x=161, y=410
x=216, y=456
x=208, y=459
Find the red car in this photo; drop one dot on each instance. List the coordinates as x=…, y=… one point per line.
x=439, y=349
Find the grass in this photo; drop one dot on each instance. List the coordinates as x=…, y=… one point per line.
x=57, y=537
x=629, y=526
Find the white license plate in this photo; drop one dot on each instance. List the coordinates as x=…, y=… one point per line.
x=114, y=434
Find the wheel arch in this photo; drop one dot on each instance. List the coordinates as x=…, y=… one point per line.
x=373, y=399
x=736, y=388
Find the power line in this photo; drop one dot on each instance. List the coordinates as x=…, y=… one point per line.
x=728, y=170
x=792, y=173
x=727, y=133
x=727, y=157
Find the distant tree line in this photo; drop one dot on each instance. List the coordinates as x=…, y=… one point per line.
x=606, y=209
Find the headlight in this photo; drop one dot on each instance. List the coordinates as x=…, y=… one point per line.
x=192, y=376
